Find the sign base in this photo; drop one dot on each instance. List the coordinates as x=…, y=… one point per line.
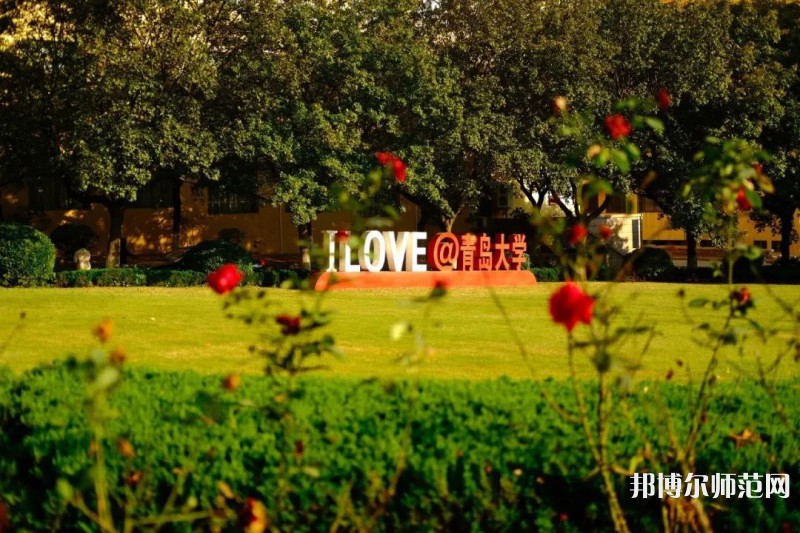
x=404, y=280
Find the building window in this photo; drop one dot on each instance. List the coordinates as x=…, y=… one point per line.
x=503, y=197
x=54, y=196
x=157, y=194
x=760, y=244
x=636, y=233
x=225, y=202
x=647, y=205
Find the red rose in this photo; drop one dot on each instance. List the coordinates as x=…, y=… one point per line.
x=664, y=100
x=385, y=158
x=570, y=305
x=618, y=126
x=577, y=233
x=399, y=170
x=605, y=232
x=225, y=278
x=291, y=324
x=742, y=201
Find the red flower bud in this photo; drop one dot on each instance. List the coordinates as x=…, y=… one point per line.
x=742, y=296
x=618, y=127
x=291, y=324
x=559, y=105
x=570, y=305
x=742, y=201
x=576, y=233
x=664, y=100
x=605, y=232
x=232, y=382
x=342, y=236
x=253, y=516
x=225, y=278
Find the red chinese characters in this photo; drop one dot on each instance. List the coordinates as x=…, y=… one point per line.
x=468, y=252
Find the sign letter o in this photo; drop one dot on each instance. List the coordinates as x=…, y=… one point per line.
x=372, y=254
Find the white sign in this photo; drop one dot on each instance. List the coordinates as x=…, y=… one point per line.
x=400, y=250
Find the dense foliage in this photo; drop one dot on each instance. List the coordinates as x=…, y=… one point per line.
x=27, y=257
x=210, y=255
x=650, y=264
x=292, y=97
x=160, y=277
x=479, y=456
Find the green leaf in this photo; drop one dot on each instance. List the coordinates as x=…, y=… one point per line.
x=655, y=124
x=632, y=150
x=65, y=490
x=621, y=160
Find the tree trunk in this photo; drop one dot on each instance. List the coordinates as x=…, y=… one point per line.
x=447, y=223
x=116, y=241
x=304, y=233
x=691, y=252
x=177, y=214
x=787, y=225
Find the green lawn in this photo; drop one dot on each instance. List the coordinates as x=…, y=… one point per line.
x=186, y=329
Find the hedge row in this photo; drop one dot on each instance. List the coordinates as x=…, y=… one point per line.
x=135, y=277
x=480, y=456
x=547, y=273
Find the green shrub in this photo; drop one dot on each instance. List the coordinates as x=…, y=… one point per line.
x=547, y=273
x=102, y=277
x=69, y=238
x=210, y=255
x=650, y=264
x=275, y=277
x=483, y=456
x=27, y=257
x=174, y=278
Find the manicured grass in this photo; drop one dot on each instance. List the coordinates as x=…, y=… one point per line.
x=186, y=328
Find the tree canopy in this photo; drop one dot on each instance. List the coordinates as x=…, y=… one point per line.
x=291, y=99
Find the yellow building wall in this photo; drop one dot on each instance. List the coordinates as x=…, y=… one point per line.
x=149, y=231
x=270, y=231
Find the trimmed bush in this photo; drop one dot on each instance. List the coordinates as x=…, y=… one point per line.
x=275, y=277
x=547, y=273
x=483, y=456
x=650, y=263
x=174, y=278
x=27, y=257
x=69, y=238
x=102, y=277
x=210, y=255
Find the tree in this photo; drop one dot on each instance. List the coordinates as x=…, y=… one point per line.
x=121, y=100
x=780, y=138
